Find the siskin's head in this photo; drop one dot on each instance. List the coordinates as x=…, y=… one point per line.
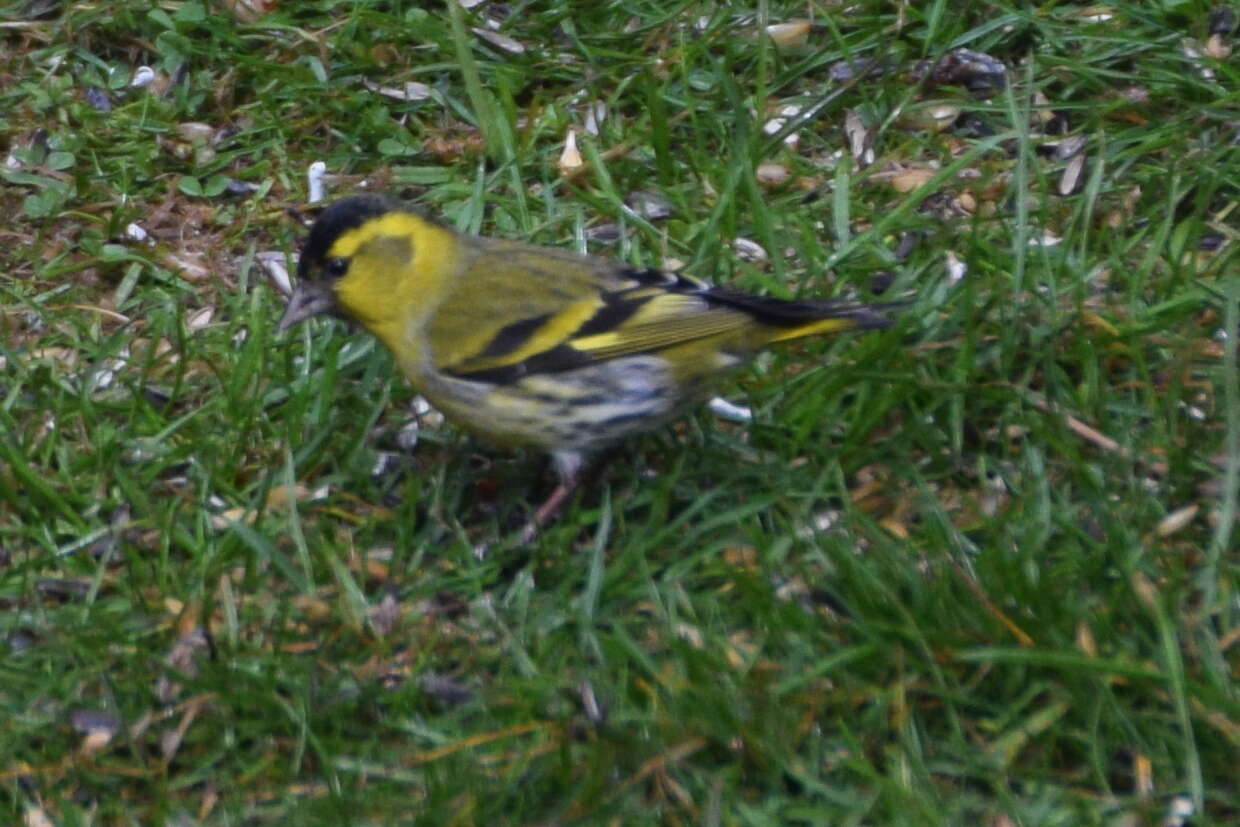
x=320, y=256
x=355, y=260
x=321, y=265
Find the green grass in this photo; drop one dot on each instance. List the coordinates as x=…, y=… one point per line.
x=938, y=580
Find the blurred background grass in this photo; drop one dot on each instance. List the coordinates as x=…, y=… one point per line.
x=977, y=568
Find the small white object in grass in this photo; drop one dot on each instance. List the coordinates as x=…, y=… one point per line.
x=385, y=462
x=823, y=520
x=469, y=4
x=36, y=816
x=820, y=523
x=415, y=91
x=596, y=113
x=196, y=132
x=858, y=137
x=570, y=158
x=994, y=491
x=500, y=41
x=142, y=76
x=186, y=263
x=427, y=416
x=102, y=378
x=1067, y=148
x=1071, y=176
x=594, y=711
x=792, y=33
x=134, y=231
x=649, y=204
x=272, y=262
x=407, y=436
x=11, y=162
x=1218, y=47
x=1194, y=413
x=774, y=125
x=411, y=91
x=1193, y=51
x=1179, y=811
x=315, y=183
x=691, y=635
x=724, y=409
x=199, y=319
x=770, y=174
x=1176, y=520
x=1047, y=239
x=955, y=267
x=942, y=116
x=749, y=250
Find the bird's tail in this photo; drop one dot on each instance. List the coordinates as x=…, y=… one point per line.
x=794, y=319
x=838, y=319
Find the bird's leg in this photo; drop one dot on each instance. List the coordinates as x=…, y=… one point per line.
x=568, y=469
x=546, y=512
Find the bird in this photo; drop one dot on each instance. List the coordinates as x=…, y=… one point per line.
x=525, y=345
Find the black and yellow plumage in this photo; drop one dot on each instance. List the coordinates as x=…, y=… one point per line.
x=528, y=345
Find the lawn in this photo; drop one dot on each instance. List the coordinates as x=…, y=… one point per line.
x=978, y=568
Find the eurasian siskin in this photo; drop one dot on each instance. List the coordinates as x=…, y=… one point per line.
x=527, y=345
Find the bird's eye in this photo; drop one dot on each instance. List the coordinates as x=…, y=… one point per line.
x=337, y=267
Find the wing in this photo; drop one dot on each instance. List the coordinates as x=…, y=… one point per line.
x=524, y=310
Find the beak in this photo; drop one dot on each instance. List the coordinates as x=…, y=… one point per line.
x=310, y=298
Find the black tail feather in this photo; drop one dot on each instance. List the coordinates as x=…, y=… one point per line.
x=795, y=312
